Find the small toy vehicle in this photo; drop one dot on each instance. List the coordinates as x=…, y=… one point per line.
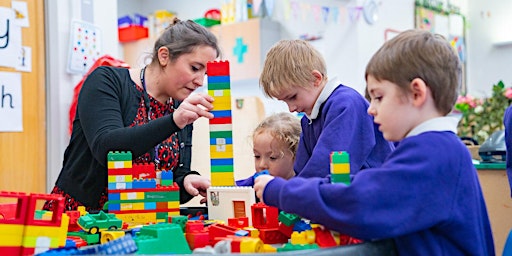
x=93, y=223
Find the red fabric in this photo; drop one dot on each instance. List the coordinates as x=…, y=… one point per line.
x=105, y=60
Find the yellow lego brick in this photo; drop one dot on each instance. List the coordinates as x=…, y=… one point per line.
x=340, y=168
x=120, y=178
x=119, y=164
x=267, y=248
x=174, y=213
x=219, y=93
x=253, y=232
x=251, y=245
x=57, y=232
x=126, y=207
x=138, y=206
x=221, y=106
x=137, y=218
x=222, y=179
x=173, y=205
x=132, y=195
x=109, y=235
x=10, y=239
x=221, y=151
x=40, y=241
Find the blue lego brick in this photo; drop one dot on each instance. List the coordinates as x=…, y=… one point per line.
x=221, y=161
x=242, y=232
x=114, y=207
x=218, y=79
x=114, y=196
x=225, y=141
x=301, y=226
x=221, y=113
x=150, y=206
x=167, y=175
x=144, y=183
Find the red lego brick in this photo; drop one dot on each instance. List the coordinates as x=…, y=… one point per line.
x=324, y=238
x=221, y=120
x=286, y=230
x=264, y=216
x=272, y=236
x=193, y=226
x=217, y=68
x=220, y=230
x=241, y=222
x=197, y=239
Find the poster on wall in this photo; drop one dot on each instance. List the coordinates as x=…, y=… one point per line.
x=84, y=47
x=10, y=102
x=10, y=38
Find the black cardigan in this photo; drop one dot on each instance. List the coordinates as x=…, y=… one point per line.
x=107, y=105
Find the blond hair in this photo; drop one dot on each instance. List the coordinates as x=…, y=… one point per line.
x=290, y=63
x=420, y=54
x=284, y=128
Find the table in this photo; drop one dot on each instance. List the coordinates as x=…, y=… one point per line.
x=496, y=189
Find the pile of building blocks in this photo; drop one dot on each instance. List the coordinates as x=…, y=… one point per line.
x=137, y=193
x=23, y=233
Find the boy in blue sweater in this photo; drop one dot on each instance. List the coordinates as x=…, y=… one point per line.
x=426, y=196
x=335, y=115
x=507, y=122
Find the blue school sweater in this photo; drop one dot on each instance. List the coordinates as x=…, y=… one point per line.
x=340, y=122
x=426, y=196
x=507, y=121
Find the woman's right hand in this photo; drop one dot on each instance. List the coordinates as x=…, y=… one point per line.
x=193, y=107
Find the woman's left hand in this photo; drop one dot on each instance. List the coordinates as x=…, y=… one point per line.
x=196, y=185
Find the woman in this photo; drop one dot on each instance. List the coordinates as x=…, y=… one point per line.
x=147, y=111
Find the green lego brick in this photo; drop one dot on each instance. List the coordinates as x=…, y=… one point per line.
x=166, y=182
x=119, y=156
x=162, y=196
x=340, y=178
x=180, y=220
x=156, y=239
x=296, y=247
x=340, y=157
x=162, y=216
x=288, y=219
x=219, y=86
x=221, y=134
x=222, y=168
x=89, y=238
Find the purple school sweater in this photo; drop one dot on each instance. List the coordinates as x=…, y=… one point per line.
x=426, y=196
x=342, y=124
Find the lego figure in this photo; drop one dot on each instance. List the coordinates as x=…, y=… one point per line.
x=335, y=115
x=426, y=196
x=275, y=142
x=147, y=111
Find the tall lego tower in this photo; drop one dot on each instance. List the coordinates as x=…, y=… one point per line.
x=221, y=129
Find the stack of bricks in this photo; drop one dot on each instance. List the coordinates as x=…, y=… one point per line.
x=134, y=193
x=221, y=129
x=340, y=167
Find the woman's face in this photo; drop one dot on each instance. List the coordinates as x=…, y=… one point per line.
x=187, y=72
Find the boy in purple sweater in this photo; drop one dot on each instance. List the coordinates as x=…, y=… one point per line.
x=426, y=196
x=335, y=115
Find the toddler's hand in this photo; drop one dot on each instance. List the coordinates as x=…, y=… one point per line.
x=192, y=108
x=260, y=183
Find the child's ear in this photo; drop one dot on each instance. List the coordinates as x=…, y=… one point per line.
x=419, y=91
x=319, y=77
x=163, y=56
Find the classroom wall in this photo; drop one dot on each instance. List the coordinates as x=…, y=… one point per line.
x=489, y=45
x=59, y=15
x=347, y=46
